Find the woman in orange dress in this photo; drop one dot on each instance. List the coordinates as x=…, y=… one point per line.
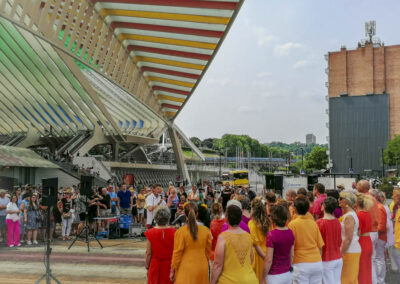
x=160, y=245
x=192, y=247
x=259, y=227
x=363, y=205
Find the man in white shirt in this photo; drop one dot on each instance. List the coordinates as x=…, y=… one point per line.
x=3, y=212
x=152, y=202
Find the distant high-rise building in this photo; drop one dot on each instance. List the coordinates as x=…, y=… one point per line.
x=311, y=139
x=364, y=97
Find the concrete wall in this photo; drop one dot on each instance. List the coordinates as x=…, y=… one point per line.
x=64, y=179
x=91, y=162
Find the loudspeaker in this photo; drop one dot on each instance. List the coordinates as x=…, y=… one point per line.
x=278, y=183
x=87, y=185
x=49, y=191
x=311, y=180
x=270, y=181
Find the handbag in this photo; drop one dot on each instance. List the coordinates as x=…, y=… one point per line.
x=67, y=215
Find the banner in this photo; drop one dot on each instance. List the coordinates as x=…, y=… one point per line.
x=128, y=179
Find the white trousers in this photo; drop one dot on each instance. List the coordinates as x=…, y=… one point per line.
x=393, y=259
x=284, y=278
x=379, y=260
x=66, y=226
x=374, y=239
x=307, y=273
x=332, y=271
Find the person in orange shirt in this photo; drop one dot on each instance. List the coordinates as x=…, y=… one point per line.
x=379, y=259
x=363, y=186
x=307, y=262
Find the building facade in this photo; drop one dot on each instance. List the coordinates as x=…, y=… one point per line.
x=311, y=139
x=364, y=103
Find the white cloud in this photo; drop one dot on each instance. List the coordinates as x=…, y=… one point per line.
x=287, y=48
x=263, y=37
x=263, y=74
x=302, y=64
x=248, y=109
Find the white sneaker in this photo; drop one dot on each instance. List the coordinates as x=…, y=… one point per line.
x=11, y=246
x=35, y=243
x=18, y=245
x=28, y=243
x=22, y=241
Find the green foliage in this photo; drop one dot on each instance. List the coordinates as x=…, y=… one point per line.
x=392, y=151
x=387, y=187
x=295, y=147
x=196, y=141
x=228, y=143
x=316, y=160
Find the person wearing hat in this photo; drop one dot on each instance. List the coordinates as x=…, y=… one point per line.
x=3, y=206
x=340, y=187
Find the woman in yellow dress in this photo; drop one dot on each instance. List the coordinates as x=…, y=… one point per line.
x=192, y=248
x=233, y=253
x=259, y=226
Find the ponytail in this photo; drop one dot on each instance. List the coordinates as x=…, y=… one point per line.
x=190, y=212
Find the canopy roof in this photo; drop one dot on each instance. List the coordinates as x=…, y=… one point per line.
x=38, y=89
x=171, y=41
x=21, y=157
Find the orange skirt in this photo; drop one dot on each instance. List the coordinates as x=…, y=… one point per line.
x=351, y=262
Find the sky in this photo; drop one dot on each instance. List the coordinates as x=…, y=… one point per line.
x=268, y=78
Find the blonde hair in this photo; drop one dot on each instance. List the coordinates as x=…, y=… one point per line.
x=349, y=197
x=259, y=215
x=364, y=201
x=172, y=189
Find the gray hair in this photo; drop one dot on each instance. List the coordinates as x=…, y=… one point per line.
x=162, y=215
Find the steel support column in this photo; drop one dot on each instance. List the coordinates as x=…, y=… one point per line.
x=180, y=161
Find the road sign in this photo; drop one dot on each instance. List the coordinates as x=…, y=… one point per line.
x=351, y=171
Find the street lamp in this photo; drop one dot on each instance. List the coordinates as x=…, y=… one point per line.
x=351, y=160
x=383, y=163
x=302, y=159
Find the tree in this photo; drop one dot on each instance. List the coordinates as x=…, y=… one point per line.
x=316, y=160
x=392, y=151
x=196, y=141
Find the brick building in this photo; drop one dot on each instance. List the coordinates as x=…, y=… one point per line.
x=364, y=104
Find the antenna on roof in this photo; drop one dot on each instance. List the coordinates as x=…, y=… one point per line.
x=370, y=34
x=370, y=30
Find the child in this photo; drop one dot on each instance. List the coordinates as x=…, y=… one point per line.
x=140, y=203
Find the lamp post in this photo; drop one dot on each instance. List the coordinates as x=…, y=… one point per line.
x=383, y=163
x=351, y=160
x=220, y=165
x=302, y=159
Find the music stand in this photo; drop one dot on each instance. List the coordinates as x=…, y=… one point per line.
x=48, y=199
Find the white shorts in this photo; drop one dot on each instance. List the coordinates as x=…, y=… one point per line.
x=284, y=278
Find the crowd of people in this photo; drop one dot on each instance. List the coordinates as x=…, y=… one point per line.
x=231, y=234
x=234, y=236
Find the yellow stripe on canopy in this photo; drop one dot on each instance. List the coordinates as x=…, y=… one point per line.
x=171, y=41
x=168, y=98
x=165, y=16
x=169, y=81
x=169, y=62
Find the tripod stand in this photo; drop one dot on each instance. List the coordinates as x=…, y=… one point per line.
x=87, y=233
x=48, y=275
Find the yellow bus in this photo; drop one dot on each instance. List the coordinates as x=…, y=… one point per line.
x=236, y=178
